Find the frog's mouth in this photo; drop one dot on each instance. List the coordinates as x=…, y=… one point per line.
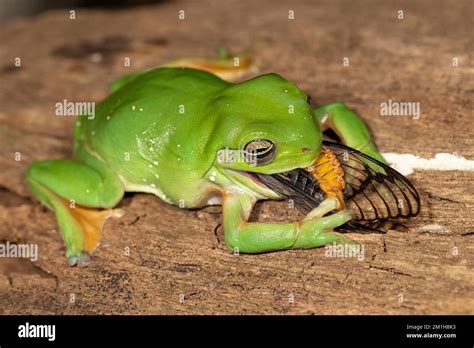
x=308, y=186
x=324, y=177
x=250, y=181
x=252, y=176
x=299, y=184
x=313, y=184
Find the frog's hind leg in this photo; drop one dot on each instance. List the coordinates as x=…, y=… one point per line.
x=76, y=191
x=229, y=68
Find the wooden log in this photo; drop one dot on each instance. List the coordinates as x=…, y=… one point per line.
x=165, y=260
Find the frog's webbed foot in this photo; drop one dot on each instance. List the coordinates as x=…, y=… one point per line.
x=91, y=222
x=82, y=228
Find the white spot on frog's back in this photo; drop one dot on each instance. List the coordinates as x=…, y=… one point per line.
x=153, y=141
x=212, y=177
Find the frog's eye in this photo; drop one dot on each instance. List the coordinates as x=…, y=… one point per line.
x=261, y=151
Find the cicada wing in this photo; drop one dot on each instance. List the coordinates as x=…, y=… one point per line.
x=374, y=191
x=362, y=227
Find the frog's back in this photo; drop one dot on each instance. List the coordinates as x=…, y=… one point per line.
x=154, y=129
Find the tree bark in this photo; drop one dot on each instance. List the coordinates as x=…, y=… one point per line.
x=166, y=260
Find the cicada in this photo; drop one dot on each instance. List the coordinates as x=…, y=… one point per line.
x=377, y=195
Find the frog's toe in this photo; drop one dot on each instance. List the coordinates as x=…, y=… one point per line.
x=81, y=260
x=117, y=213
x=84, y=259
x=72, y=260
x=343, y=239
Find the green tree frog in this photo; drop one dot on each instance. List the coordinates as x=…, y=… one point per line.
x=179, y=133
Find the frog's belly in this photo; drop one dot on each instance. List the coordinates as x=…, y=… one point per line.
x=198, y=201
x=133, y=187
x=214, y=199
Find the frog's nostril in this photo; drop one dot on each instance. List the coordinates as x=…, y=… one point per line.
x=305, y=149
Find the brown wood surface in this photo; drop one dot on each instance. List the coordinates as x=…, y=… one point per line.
x=179, y=254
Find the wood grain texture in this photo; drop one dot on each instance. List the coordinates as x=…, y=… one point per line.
x=179, y=254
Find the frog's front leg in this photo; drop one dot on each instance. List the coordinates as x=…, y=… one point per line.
x=73, y=189
x=313, y=231
x=348, y=126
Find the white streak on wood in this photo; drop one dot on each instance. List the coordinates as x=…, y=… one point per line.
x=406, y=163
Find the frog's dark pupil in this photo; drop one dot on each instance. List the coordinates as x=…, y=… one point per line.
x=262, y=150
x=261, y=153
